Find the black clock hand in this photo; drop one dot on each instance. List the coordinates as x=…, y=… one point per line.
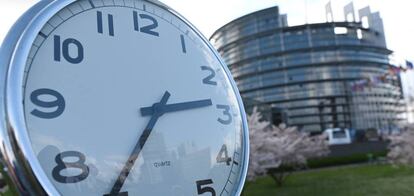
x=148, y=111
x=157, y=112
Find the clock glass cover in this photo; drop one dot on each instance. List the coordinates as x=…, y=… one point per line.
x=123, y=97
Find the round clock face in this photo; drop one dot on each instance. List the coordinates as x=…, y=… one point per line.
x=124, y=98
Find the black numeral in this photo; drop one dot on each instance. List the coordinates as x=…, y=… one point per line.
x=223, y=156
x=205, y=189
x=226, y=113
x=60, y=49
x=99, y=17
x=61, y=165
x=59, y=103
x=210, y=77
x=149, y=29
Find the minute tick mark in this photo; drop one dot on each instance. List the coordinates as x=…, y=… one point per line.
x=183, y=46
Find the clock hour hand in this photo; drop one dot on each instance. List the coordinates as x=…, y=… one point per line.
x=148, y=111
x=115, y=191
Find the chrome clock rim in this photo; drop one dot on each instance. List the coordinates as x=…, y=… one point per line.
x=18, y=157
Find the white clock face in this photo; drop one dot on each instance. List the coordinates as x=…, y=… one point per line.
x=122, y=97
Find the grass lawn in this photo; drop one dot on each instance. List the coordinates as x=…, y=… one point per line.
x=6, y=194
x=367, y=180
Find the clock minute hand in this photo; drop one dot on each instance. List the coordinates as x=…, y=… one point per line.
x=148, y=111
x=115, y=191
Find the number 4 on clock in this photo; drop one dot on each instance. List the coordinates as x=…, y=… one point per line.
x=223, y=156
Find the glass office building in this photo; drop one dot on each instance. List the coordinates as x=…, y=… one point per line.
x=307, y=74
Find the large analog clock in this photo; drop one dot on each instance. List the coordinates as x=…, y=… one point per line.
x=118, y=97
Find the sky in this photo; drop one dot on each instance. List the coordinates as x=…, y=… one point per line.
x=209, y=15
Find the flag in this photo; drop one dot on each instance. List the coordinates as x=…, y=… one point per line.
x=369, y=82
x=375, y=80
x=384, y=78
x=354, y=87
x=409, y=65
x=394, y=70
x=358, y=87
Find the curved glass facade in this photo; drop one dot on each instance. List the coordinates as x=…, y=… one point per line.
x=306, y=73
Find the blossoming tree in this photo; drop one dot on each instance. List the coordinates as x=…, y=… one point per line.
x=276, y=146
x=402, y=147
